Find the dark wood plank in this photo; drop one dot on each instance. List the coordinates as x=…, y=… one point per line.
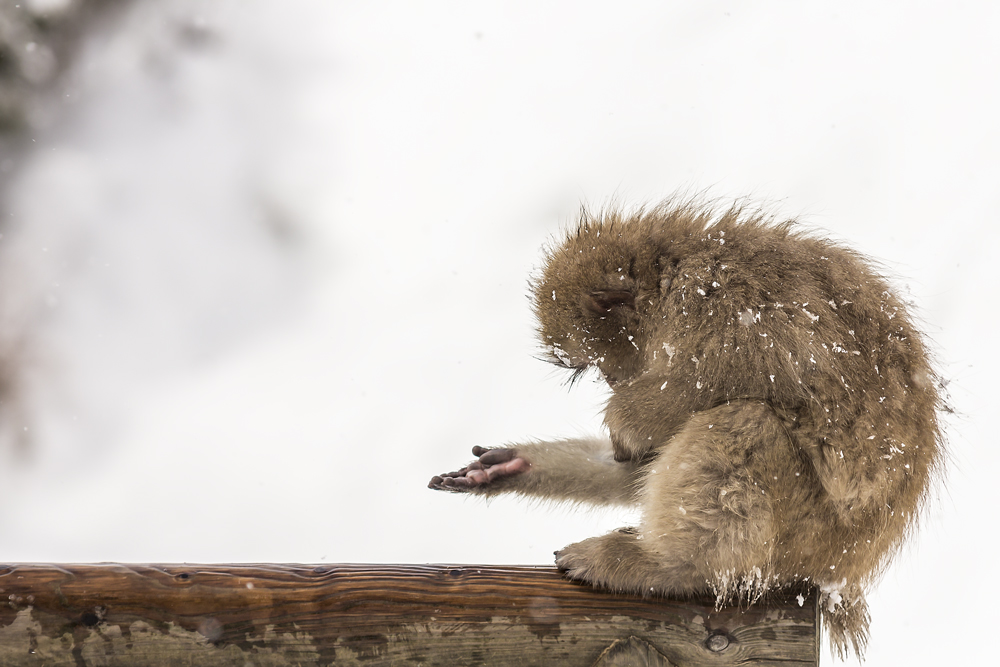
x=113, y=614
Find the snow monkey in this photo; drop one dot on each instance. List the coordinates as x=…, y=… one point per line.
x=773, y=411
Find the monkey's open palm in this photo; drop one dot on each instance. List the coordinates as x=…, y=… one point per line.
x=493, y=465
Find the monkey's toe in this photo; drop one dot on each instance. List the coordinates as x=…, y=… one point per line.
x=571, y=563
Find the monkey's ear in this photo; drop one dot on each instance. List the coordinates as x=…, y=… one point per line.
x=602, y=302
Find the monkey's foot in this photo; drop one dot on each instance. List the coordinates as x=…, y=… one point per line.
x=618, y=562
x=492, y=466
x=600, y=561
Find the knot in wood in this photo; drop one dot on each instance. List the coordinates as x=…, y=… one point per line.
x=717, y=642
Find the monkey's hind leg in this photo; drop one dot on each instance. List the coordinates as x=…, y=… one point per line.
x=708, y=521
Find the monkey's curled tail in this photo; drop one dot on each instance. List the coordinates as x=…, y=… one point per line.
x=845, y=615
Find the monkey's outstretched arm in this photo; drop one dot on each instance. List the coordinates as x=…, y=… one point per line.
x=578, y=470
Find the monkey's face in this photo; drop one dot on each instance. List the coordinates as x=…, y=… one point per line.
x=589, y=303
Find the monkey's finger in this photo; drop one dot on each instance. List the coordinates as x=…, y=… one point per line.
x=479, y=451
x=457, y=483
x=494, y=456
x=439, y=483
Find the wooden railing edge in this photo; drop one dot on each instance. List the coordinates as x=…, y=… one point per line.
x=356, y=614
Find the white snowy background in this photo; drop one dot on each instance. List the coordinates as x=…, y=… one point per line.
x=267, y=261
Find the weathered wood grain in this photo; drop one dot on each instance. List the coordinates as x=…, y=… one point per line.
x=631, y=652
x=114, y=615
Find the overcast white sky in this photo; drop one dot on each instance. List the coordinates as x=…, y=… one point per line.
x=270, y=260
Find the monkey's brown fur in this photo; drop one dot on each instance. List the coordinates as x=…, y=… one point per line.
x=773, y=410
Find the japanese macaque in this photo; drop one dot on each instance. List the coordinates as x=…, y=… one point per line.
x=773, y=411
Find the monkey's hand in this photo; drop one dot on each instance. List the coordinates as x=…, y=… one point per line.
x=493, y=465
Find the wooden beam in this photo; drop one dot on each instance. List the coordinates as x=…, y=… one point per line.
x=373, y=615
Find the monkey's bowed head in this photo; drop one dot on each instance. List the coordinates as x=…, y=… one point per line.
x=773, y=411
